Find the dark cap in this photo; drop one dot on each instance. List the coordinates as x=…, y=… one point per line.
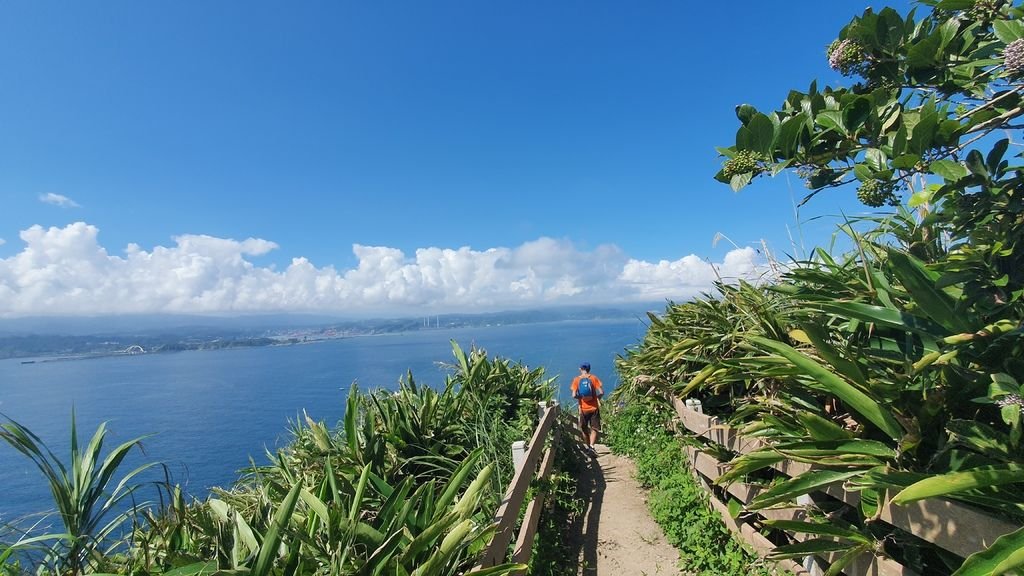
x=585, y=366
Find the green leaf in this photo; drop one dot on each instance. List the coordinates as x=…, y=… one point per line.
x=1008, y=30
x=954, y=482
x=762, y=133
x=815, y=546
x=870, y=503
x=803, y=484
x=789, y=134
x=955, y=4
x=826, y=448
x=921, y=284
x=457, y=480
x=735, y=508
x=831, y=120
x=947, y=32
x=820, y=339
x=1005, y=554
x=357, y=499
x=923, y=53
x=920, y=198
x=950, y=170
x=976, y=164
x=316, y=505
x=269, y=546
x=876, y=159
x=857, y=113
x=878, y=315
x=995, y=155
x=855, y=399
x=1002, y=385
x=905, y=161
x=822, y=428
x=739, y=181
x=748, y=463
x=817, y=528
x=922, y=137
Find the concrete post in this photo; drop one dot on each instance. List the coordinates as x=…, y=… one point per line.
x=518, y=454
x=541, y=407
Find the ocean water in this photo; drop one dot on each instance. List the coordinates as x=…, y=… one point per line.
x=208, y=413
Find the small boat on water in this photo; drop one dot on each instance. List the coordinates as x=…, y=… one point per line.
x=28, y=361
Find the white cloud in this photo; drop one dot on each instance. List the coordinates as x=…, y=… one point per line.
x=690, y=275
x=2, y=241
x=67, y=271
x=58, y=200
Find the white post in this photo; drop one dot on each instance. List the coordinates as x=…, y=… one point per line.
x=695, y=405
x=518, y=454
x=810, y=563
x=541, y=407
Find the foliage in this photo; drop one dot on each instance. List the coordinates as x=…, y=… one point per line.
x=556, y=547
x=87, y=500
x=676, y=501
x=405, y=486
x=896, y=367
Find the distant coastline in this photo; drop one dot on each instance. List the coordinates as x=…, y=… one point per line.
x=52, y=346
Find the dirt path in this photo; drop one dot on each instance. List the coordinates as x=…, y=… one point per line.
x=619, y=536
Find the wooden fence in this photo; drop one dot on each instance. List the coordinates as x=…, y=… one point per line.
x=955, y=527
x=508, y=512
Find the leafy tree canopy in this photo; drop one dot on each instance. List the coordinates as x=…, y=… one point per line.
x=926, y=90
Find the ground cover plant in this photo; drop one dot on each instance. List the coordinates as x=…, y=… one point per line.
x=405, y=485
x=895, y=367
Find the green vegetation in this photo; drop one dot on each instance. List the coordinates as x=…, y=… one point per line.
x=556, y=549
x=406, y=486
x=897, y=366
x=82, y=493
x=676, y=501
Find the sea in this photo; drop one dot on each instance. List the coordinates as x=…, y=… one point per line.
x=206, y=415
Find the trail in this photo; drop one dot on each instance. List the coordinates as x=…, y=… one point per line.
x=619, y=537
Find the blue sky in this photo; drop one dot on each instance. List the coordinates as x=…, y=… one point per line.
x=574, y=139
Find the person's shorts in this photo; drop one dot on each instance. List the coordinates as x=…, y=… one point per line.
x=590, y=420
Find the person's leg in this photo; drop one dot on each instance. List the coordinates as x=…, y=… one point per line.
x=595, y=427
x=584, y=423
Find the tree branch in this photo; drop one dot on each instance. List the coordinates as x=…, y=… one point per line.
x=995, y=122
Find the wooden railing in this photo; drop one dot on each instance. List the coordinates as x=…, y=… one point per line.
x=507, y=514
x=955, y=527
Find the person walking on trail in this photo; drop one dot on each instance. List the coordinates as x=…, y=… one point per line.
x=587, y=389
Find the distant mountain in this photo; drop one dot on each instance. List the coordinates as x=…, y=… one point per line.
x=144, y=324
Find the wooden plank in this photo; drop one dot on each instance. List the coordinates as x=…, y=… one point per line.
x=706, y=464
x=712, y=429
x=508, y=512
x=957, y=527
x=865, y=564
x=528, y=531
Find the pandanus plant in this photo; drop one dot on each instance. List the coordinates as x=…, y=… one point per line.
x=90, y=501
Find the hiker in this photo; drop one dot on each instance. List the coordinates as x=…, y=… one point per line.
x=587, y=389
